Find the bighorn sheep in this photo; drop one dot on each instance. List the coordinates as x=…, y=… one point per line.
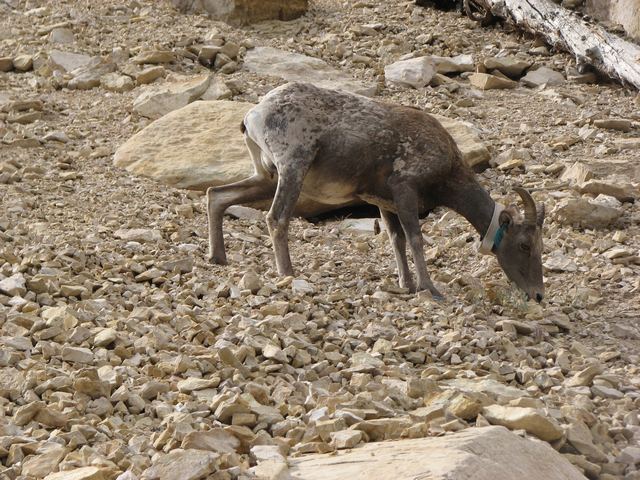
x=335, y=147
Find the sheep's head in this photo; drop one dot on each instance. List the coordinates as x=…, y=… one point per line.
x=520, y=250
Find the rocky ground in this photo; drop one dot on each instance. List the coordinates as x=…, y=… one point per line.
x=124, y=354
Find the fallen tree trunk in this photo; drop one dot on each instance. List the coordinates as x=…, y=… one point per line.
x=563, y=29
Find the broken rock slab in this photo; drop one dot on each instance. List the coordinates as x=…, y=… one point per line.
x=474, y=151
x=542, y=76
x=586, y=213
x=622, y=192
x=488, y=453
x=68, y=61
x=158, y=101
x=295, y=67
x=484, y=81
x=512, y=67
x=457, y=64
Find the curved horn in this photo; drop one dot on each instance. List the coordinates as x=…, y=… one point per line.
x=530, y=215
x=540, y=218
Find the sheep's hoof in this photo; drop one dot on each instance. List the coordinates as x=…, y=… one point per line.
x=409, y=286
x=437, y=296
x=218, y=260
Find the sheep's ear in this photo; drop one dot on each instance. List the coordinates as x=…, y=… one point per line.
x=506, y=218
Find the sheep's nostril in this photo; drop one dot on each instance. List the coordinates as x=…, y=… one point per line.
x=538, y=297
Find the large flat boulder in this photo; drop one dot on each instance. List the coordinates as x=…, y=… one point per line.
x=296, y=67
x=489, y=453
x=200, y=145
x=195, y=147
x=242, y=12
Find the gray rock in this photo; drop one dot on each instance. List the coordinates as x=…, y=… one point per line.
x=217, y=90
x=302, y=287
x=88, y=76
x=61, y=35
x=606, y=392
x=158, y=101
x=139, y=235
x=557, y=261
x=415, y=72
x=13, y=285
x=116, y=82
x=67, y=61
x=542, y=76
x=629, y=455
x=295, y=67
x=363, y=226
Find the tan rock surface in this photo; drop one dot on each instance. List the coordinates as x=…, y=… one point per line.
x=491, y=453
x=192, y=147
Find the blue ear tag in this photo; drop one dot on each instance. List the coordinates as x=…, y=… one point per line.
x=499, y=236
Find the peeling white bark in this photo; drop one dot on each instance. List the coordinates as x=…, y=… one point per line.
x=564, y=29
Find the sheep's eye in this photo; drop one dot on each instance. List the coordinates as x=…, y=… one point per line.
x=525, y=248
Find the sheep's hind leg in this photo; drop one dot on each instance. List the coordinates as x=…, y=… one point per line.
x=252, y=189
x=399, y=245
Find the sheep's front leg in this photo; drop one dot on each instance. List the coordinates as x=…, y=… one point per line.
x=399, y=245
x=406, y=200
x=252, y=189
